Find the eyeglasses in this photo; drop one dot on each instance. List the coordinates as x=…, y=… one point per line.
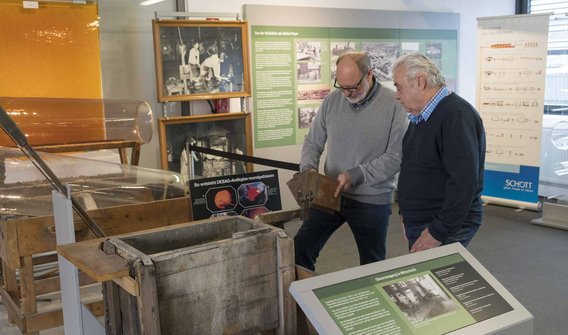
x=351, y=89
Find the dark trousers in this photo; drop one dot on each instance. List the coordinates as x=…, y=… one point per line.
x=464, y=235
x=368, y=224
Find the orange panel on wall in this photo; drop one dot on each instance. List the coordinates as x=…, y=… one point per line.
x=51, y=52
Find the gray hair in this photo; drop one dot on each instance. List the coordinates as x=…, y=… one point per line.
x=360, y=58
x=417, y=63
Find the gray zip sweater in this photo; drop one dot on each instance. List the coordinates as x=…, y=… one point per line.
x=365, y=140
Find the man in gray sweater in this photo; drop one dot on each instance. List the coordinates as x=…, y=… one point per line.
x=363, y=126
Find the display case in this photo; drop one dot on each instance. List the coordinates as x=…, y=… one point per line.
x=201, y=59
x=229, y=132
x=24, y=191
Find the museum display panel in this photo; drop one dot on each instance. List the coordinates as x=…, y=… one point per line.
x=201, y=59
x=294, y=50
x=444, y=290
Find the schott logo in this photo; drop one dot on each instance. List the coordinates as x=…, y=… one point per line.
x=518, y=184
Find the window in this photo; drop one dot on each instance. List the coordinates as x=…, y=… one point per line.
x=554, y=152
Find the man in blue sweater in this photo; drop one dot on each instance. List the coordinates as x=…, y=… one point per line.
x=443, y=155
x=362, y=124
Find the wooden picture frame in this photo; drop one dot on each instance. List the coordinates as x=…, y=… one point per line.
x=201, y=59
x=229, y=132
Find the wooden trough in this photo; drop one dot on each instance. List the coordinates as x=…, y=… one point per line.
x=220, y=276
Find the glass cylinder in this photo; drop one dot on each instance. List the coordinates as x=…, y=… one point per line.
x=47, y=121
x=24, y=192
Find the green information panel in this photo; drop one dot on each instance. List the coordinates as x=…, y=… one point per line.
x=294, y=69
x=441, y=295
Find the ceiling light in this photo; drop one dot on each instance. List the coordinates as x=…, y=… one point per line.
x=150, y=2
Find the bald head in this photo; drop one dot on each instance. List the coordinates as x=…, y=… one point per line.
x=354, y=76
x=361, y=60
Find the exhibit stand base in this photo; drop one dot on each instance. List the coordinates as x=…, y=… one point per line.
x=553, y=215
x=77, y=319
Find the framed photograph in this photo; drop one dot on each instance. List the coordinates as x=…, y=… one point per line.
x=201, y=59
x=229, y=132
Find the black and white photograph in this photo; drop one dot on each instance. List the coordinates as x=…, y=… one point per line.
x=383, y=56
x=420, y=298
x=338, y=49
x=409, y=48
x=312, y=92
x=200, y=59
x=434, y=50
x=212, y=165
x=306, y=116
x=309, y=72
x=210, y=132
x=308, y=51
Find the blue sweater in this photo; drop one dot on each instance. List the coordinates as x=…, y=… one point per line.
x=441, y=176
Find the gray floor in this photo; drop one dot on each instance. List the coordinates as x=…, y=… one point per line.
x=530, y=261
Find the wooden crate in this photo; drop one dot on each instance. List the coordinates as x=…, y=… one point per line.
x=28, y=242
x=220, y=276
x=278, y=219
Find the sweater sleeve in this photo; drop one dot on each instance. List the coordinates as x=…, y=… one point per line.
x=461, y=159
x=314, y=142
x=384, y=167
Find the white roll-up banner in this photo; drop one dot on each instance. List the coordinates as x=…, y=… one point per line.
x=512, y=54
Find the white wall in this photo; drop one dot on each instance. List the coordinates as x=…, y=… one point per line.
x=469, y=12
x=128, y=60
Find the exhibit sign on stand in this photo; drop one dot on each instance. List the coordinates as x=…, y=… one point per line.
x=248, y=194
x=444, y=290
x=510, y=99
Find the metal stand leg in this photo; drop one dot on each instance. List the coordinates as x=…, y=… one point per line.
x=76, y=318
x=553, y=215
